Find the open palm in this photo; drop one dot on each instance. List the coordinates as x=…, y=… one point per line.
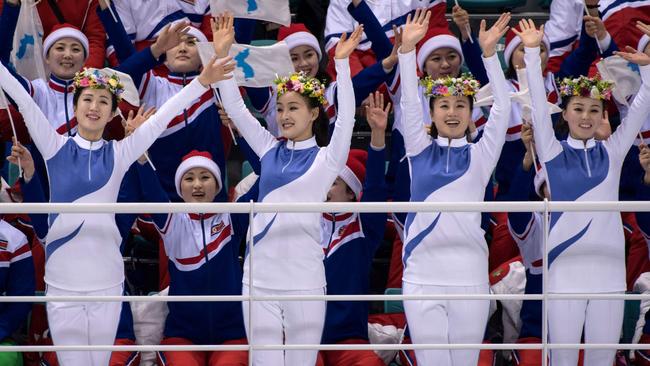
x=415, y=28
x=530, y=36
x=488, y=39
x=223, y=33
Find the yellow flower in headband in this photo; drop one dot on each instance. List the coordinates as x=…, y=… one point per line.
x=301, y=83
x=595, y=88
x=98, y=79
x=448, y=86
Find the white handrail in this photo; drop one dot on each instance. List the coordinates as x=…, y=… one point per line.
x=148, y=207
x=326, y=347
x=238, y=298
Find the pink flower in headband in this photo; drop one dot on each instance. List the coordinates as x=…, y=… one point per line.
x=299, y=82
x=595, y=88
x=97, y=80
x=465, y=85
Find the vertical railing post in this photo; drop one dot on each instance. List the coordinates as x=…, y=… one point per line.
x=545, y=355
x=251, y=244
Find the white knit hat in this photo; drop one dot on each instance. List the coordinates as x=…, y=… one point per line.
x=437, y=38
x=298, y=35
x=643, y=43
x=196, y=33
x=65, y=30
x=197, y=159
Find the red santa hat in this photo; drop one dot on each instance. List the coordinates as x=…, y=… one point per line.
x=65, y=30
x=513, y=41
x=197, y=159
x=643, y=43
x=354, y=172
x=434, y=39
x=298, y=35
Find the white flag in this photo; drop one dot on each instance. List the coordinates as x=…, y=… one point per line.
x=276, y=11
x=130, y=94
x=27, y=55
x=626, y=80
x=255, y=66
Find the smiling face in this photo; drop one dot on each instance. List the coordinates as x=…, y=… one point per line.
x=93, y=109
x=451, y=116
x=583, y=116
x=444, y=61
x=295, y=117
x=65, y=58
x=305, y=58
x=198, y=185
x=184, y=58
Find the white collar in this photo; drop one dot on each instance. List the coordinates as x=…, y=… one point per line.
x=444, y=141
x=580, y=144
x=87, y=144
x=301, y=145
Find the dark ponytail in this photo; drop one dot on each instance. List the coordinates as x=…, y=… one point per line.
x=320, y=126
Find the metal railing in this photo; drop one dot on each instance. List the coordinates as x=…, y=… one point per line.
x=251, y=208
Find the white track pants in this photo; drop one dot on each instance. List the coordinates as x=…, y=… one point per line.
x=602, y=321
x=285, y=322
x=83, y=323
x=446, y=322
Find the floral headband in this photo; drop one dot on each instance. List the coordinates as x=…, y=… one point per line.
x=95, y=79
x=583, y=86
x=465, y=85
x=303, y=84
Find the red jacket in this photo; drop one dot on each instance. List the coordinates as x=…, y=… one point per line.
x=82, y=14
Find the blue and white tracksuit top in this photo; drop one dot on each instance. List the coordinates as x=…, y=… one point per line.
x=287, y=246
x=196, y=127
x=350, y=241
x=586, y=249
x=87, y=171
x=448, y=249
x=203, y=251
x=16, y=277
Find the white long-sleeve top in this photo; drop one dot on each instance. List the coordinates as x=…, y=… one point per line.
x=586, y=249
x=83, y=250
x=287, y=251
x=448, y=248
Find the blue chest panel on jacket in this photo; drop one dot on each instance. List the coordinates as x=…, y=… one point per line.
x=435, y=167
x=281, y=166
x=75, y=172
x=574, y=172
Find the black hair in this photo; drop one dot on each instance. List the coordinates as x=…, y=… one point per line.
x=77, y=94
x=320, y=127
x=434, y=131
x=562, y=126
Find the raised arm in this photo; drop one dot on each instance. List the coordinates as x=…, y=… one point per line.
x=494, y=134
x=621, y=140
x=259, y=139
x=415, y=138
x=135, y=145
x=339, y=146
x=45, y=137
x=547, y=145
x=361, y=12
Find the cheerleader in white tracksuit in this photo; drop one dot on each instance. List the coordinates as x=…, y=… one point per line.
x=288, y=257
x=83, y=250
x=446, y=253
x=586, y=249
